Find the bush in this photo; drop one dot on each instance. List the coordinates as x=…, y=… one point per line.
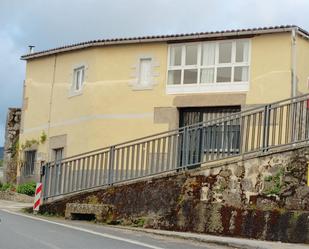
x=26, y=188
x=7, y=186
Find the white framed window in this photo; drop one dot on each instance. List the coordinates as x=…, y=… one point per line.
x=209, y=66
x=78, y=79
x=145, y=72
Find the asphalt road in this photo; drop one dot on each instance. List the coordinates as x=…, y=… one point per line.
x=20, y=232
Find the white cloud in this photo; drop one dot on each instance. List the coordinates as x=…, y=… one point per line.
x=47, y=24
x=11, y=72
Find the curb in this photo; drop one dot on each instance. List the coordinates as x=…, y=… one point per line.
x=190, y=236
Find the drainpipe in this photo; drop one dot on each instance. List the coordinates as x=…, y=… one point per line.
x=51, y=106
x=293, y=63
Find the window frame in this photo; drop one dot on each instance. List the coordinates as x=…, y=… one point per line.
x=149, y=81
x=213, y=86
x=73, y=90
x=29, y=171
x=55, y=151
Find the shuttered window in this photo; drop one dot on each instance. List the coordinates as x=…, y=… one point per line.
x=145, y=72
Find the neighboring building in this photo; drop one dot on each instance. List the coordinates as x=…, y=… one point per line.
x=11, y=150
x=98, y=93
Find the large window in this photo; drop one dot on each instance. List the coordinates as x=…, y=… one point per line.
x=206, y=63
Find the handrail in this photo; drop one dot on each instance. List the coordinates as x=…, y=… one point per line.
x=253, y=130
x=189, y=126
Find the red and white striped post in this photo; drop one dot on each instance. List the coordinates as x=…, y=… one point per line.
x=37, y=197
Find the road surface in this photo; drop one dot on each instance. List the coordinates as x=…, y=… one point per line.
x=18, y=231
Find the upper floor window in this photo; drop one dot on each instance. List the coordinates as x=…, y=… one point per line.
x=78, y=78
x=204, y=63
x=144, y=73
x=144, y=77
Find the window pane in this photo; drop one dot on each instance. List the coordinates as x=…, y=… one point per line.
x=78, y=78
x=29, y=163
x=145, y=72
x=225, y=52
x=190, y=76
x=58, y=154
x=242, y=51
x=175, y=56
x=208, y=54
x=241, y=74
x=224, y=74
x=191, y=54
x=207, y=75
x=174, y=77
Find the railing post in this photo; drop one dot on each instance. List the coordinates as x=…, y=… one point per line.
x=186, y=147
x=111, y=165
x=43, y=179
x=266, y=128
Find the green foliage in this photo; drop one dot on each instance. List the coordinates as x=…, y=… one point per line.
x=1, y=163
x=139, y=222
x=7, y=186
x=43, y=137
x=29, y=143
x=268, y=178
x=26, y=188
x=276, y=179
x=15, y=148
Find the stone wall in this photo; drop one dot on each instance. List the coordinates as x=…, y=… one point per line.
x=10, y=145
x=17, y=197
x=263, y=198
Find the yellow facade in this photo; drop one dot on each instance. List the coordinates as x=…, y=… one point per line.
x=111, y=111
x=302, y=62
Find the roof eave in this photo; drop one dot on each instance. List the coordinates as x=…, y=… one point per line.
x=170, y=38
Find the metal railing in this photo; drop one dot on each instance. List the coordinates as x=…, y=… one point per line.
x=260, y=129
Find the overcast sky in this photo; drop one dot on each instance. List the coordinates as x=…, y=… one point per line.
x=52, y=23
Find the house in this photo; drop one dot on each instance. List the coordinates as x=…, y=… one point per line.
x=90, y=95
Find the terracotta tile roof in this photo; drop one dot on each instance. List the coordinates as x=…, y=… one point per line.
x=168, y=38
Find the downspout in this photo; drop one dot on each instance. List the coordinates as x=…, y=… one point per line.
x=293, y=82
x=293, y=63
x=51, y=106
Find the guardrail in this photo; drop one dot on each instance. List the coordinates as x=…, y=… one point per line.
x=259, y=129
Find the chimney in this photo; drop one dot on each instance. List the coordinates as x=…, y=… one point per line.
x=31, y=49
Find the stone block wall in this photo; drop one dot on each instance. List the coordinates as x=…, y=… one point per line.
x=266, y=197
x=12, y=131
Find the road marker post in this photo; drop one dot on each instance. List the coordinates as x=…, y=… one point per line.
x=37, y=197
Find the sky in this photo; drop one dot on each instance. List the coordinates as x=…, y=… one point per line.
x=52, y=23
